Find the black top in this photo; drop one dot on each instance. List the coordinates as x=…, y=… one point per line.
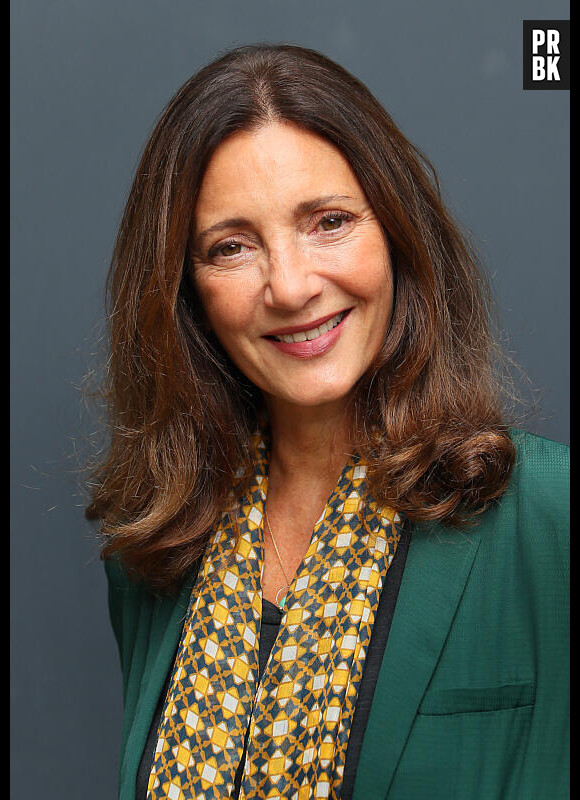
x=271, y=617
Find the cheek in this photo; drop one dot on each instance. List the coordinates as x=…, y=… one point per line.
x=369, y=275
x=227, y=304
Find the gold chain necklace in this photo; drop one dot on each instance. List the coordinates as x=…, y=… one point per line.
x=287, y=586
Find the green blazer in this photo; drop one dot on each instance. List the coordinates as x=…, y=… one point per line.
x=472, y=697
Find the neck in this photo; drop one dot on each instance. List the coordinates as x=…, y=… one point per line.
x=311, y=442
x=309, y=449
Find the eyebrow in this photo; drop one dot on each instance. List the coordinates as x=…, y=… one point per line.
x=306, y=207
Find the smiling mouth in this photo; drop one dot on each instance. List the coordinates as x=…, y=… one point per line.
x=312, y=333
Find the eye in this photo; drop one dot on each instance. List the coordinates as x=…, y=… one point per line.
x=226, y=249
x=230, y=249
x=334, y=221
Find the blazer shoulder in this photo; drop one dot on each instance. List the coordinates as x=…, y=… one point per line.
x=542, y=469
x=539, y=493
x=125, y=599
x=541, y=456
x=116, y=573
x=124, y=590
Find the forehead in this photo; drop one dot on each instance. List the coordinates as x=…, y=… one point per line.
x=272, y=167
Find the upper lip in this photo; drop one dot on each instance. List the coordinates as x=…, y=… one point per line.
x=305, y=326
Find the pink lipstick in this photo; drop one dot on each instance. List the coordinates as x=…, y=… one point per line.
x=310, y=339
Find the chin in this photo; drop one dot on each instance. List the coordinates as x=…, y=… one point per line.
x=319, y=396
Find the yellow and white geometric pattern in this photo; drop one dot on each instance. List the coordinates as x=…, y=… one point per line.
x=299, y=715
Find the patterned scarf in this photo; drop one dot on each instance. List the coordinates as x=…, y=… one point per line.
x=299, y=715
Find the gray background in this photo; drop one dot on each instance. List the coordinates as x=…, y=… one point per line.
x=88, y=80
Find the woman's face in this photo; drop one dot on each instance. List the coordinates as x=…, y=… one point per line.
x=291, y=265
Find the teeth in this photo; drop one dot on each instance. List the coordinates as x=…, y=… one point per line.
x=313, y=333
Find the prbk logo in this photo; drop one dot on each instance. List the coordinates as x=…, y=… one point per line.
x=546, y=54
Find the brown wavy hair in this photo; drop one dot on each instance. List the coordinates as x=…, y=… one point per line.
x=428, y=414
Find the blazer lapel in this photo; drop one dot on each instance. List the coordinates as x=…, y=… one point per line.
x=437, y=567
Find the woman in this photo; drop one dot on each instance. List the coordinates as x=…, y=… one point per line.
x=309, y=457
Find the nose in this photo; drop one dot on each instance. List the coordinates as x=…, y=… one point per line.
x=292, y=279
